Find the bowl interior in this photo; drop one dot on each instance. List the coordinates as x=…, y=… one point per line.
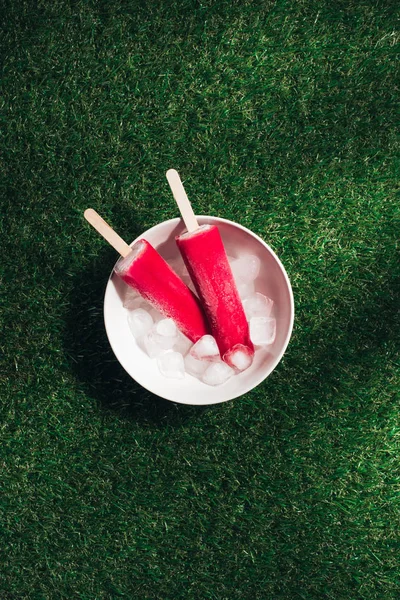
x=272, y=281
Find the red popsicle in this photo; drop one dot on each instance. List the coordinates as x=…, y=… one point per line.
x=144, y=269
x=204, y=254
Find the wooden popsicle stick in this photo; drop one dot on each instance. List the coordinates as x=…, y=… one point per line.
x=107, y=232
x=182, y=200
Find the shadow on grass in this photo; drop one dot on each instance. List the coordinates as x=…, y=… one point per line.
x=94, y=363
x=345, y=351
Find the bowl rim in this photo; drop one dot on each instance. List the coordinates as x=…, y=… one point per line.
x=278, y=358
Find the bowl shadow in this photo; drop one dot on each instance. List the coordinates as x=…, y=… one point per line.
x=341, y=359
x=93, y=362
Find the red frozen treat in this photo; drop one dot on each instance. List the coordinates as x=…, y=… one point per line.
x=205, y=258
x=148, y=273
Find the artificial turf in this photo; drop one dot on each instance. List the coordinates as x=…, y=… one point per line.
x=280, y=116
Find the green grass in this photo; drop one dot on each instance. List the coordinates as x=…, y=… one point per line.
x=281, y=116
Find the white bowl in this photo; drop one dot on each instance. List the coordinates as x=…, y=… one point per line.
x=272, y=281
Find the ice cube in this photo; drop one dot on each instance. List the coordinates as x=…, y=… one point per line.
x=165, y=341
x=205, y=349
x=257, y=305
x=152, y=345
x=195, y=367
x=140, y=322
x=245, y=289
x=240, y=357
x=217, y=373
x=166, y=327
x=182, y=344
x=246, y=268
x=171, y=365
x=156, y=344
x=262, y=330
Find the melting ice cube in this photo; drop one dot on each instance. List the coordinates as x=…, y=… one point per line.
x=152, y=345
x=195, y=367
x=246, y=268
x=166, y=327
x=217, y=373
x=240, y=357
x=171, y=365
x=257, y=305
x=140, y=322
x=262, y=330
x=156, y=344
x=245, y=289
x=205, y=349
x=182, y=344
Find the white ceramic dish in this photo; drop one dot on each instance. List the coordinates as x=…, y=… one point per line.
x=272, y=281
